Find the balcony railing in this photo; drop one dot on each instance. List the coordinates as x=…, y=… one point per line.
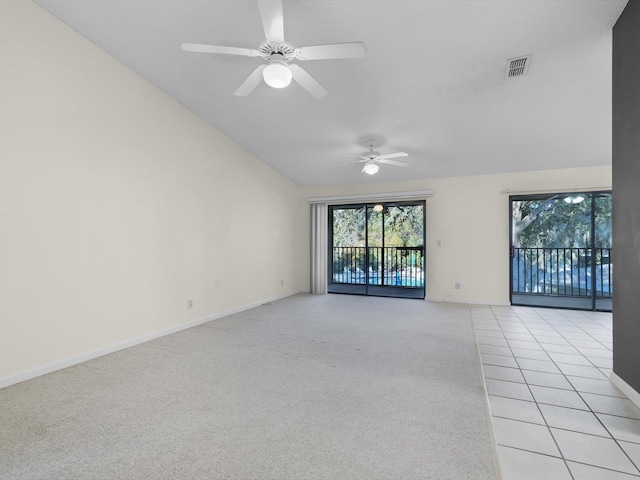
x=388, y=266
x=576, y=272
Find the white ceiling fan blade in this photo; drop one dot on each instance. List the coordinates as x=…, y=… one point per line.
x=394, y=155
x=393, y=162
x=251, y=82
x=272, y=19
x=200, y=48
x=307, y=82
x=334, y=50
x=347, y=163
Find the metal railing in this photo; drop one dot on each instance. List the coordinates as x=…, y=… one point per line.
x=388, y=266
x=576, y=272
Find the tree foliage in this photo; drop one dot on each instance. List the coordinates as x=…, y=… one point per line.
x=403, y=226
x=554, y=222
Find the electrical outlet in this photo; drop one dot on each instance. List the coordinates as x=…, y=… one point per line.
x=458, y=286
x=282, y=283
x=189, y=303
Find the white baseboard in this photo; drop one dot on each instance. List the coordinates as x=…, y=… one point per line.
x=625, y=388
x=497, y=303
x=68, y=362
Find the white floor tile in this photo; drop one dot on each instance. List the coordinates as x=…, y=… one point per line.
x=611, y=405
x=577, y=336
x=621, y=428
x=518, y=327
x=515, y=390
x=531, y=321
x=558, y=353
x=527, y=353
x=508, y=320
x=515, y=409
x=537, y=365
x=606, y=372
x=564, y=330
x=527, y=436
x=523, y=337
x=633, y=450
x=495, y=350
x=588, y=472
x=522, y=344
x=490, y=333
x=552, y=339
x=491, y=341
x=503, y=373
x=601, y=362
x=572, y=419
x=592, y=450
x=482, y=327
x=601, y=337
x=585, y=343
x=500, y=360
x=520, y=465
x=544, y=379
x=556, y=396
x=569, y=358
x=581, y=371
x=541, y=329
x=549, y=347
x=592, y=385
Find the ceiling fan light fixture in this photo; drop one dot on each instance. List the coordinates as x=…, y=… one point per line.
x=574, y=199
x=371, y=168
x=277, y=74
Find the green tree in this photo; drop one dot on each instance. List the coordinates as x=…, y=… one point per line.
x=556, y=222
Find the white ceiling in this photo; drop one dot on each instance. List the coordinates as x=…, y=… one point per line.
x=433, y=82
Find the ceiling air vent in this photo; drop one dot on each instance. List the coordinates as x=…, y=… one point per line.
x=517, y=67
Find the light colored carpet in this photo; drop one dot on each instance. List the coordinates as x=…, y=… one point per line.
x=310, y=387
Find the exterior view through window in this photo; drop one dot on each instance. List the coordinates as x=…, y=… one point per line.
x=377, y=249
x=561, y=253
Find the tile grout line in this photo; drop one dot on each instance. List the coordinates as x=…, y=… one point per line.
x=572, y=323
x=538, y=407
x=587, y=404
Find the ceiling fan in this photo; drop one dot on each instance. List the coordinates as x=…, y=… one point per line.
x=372, y=159
x=278, y=72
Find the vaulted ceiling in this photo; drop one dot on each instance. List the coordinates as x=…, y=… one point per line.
x=432, y=84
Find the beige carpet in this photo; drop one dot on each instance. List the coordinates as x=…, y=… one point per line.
x=311, y=387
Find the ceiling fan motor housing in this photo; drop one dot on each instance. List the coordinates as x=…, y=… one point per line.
x=268, y=48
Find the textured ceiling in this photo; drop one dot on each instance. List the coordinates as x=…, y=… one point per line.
x=432, y=84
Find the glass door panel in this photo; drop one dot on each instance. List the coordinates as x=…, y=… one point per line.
x=377, y=249
x=603, y=284
x=560, y=244
x=347, y=256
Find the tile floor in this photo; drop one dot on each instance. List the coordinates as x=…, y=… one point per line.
x=555, y=413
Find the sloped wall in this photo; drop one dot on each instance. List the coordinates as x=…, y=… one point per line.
x=117, y=205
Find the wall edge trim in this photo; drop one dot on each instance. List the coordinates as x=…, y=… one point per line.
x=625, y=388
x=69, y=362
x=497, y=303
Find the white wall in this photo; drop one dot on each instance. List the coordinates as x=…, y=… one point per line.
x=117, y=205
x=470, y=217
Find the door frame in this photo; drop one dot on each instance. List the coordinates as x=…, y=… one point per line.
x=366, y=288
x=592, y=195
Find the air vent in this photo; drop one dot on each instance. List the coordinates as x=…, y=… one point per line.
x=517, y=67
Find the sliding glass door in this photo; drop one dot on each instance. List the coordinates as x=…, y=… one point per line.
x=377, y=249
x=561, y=253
